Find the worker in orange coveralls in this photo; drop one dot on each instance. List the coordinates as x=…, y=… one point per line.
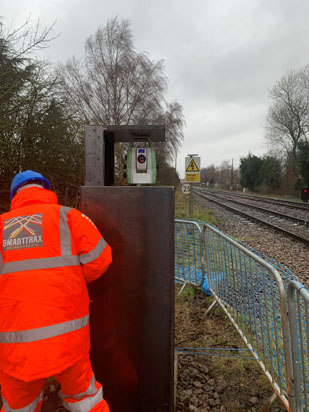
x=48, y=254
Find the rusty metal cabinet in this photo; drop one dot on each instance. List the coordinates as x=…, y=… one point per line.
x=132, y=313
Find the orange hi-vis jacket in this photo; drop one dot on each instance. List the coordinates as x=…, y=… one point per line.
x=48, y=254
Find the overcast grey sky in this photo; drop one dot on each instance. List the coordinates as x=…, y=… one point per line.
x=221, y=57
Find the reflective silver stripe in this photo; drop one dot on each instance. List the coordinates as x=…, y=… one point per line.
x=1, y=263
x=29, y=408
x=94, y=254
x=86, y=404
x=32, y=335
x=43, y=263
x=65, y=234
x=90, y=391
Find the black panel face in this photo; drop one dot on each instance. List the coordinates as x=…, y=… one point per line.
x=156, y=133
x=132, y=313
x=109, y=158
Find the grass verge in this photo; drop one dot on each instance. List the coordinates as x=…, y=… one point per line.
x=199, y=212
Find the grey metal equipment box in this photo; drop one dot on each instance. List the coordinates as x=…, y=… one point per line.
x=132, y=313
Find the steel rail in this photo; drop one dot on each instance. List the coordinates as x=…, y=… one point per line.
x=268, y=211
x=254, y=218
x=285, y=203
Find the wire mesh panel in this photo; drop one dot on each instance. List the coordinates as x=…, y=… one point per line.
x=252, y=294
x=189, y=267
x=298, y=303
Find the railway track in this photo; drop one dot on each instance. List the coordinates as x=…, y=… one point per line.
x=287, y=204
x=285, y=218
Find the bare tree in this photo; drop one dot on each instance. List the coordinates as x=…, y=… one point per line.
x=287, y=119
x=224, y=171
x=173, y=120
x=208, y=174
x=26, y=38
x=114, y=84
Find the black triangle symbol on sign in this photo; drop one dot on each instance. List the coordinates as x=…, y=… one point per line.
x=192, y=167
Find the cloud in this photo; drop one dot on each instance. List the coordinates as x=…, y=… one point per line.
x=221, y=57
x=223, y=133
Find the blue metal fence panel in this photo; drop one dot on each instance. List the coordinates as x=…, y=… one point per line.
x=252, y=294
x=298, y=303
x=189, y=253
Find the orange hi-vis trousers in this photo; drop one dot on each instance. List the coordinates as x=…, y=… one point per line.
x=79, y=390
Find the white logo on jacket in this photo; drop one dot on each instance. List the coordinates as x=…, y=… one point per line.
x=21, y=232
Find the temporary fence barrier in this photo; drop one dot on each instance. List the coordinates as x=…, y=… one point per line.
x=189, y=253
x=251, y=293
x=298, y=304
x=269, y=310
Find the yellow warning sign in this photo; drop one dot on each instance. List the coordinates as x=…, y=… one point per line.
x=192, y=167
x=192, y=177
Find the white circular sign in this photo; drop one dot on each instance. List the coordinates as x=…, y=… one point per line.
x=185, y=188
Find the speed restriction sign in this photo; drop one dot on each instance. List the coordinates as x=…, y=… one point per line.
x=185, y=188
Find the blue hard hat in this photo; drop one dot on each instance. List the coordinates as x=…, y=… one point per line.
x=27, y=176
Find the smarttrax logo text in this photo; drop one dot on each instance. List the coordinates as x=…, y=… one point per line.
x=23, y=232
